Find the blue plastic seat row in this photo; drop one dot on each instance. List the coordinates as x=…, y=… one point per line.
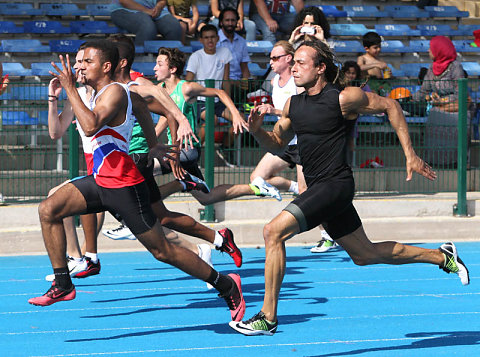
x=402, y=30
x=49, y=9
x=56, y=27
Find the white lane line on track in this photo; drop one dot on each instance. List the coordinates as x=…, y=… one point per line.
x=168, y=327
x=347, y=342
x=186, y=304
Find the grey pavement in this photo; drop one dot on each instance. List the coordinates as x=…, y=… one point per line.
x=406, y=218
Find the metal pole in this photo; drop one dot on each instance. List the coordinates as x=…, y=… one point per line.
x=460, y=209
x=73, y=158
x=208, y=214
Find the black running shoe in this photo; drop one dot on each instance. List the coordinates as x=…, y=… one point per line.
x=194, y=183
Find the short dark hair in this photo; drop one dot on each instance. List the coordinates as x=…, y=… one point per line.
x=318, y=17
x=222, y=14
x=176, y=58
x=126, y=48
x=208, y=27
x=371, y=38
x=109, y=52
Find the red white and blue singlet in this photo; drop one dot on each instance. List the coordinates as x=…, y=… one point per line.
x=112, y=167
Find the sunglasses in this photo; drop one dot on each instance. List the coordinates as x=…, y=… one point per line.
x=276, y=58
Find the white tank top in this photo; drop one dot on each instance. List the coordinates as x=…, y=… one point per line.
x=280, y=96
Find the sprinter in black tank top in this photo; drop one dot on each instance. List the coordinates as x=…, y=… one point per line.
x=319, y=118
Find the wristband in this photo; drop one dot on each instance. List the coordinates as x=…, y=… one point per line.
x=52, y=96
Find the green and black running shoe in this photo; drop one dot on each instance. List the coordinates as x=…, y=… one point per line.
x=453, y=263
x=257, y=325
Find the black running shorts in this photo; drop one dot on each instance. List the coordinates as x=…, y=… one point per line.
x=290, y=155
x=329, y=204
x=141, y=160
x=132, y=203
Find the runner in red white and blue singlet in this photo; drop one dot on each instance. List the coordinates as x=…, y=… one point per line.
x=112, y=167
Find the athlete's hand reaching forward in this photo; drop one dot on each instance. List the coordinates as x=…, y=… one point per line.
x=421, y=167
x=255, y=119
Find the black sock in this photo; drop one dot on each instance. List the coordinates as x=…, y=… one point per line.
x=222, y=283
x=62, y=278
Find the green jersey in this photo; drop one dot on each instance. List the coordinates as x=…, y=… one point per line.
x=188, y=109
x=138, y=143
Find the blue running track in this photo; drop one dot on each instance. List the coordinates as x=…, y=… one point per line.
x=328, y=307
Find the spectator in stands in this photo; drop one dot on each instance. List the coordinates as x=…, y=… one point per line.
x=273, y=17
x=180, y=9
x=370, y=63
x=146, y=19
x=440, y=89
x=3, y=80
x=243, y=25
x=310, y=21
x=353, y=75
x=210, y=62
x=422, y=3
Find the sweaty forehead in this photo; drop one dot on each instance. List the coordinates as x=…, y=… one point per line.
x=304, y=53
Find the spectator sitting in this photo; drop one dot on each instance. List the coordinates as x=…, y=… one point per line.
x=210, y=62
x=243, y=25
x=440, y=89
x=353, y=76
x=145, y=19
x=180, y=9
x=273, y=17
x=310, y=18
x=369, y=63
x=3, y=80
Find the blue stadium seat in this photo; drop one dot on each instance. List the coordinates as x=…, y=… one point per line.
x=472, y=68
x=196, y=45
x=418, y=46
x=203, y=9
x=464, y=46
x=45, y=27
x=65, y=46
x=19, y=10
x=412, y=69
x=348, y=29
x=434, y=30
x=256, y=70
x=392, y=46
x=21, y=92
x=398, y=72
x=98, y=9
x=10, y=27
x=144, y=67
x=405, y=11
x=43, y=117
x=395, y=30
x=364, y=11
x=101, y=27
x=332, y=11
x=42, y=68
x=467, y=30
x=15, y=69
x=445, y=11
x=153, y=46
x=139, y=49
x=259, y=47
x=348, y=46
x=62, y=10
x=17, y=118
x=24, y=46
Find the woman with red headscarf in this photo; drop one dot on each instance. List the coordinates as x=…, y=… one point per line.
x=440, y=88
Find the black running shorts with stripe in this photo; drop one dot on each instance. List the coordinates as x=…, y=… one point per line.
x=327, y=203
x=132, y=203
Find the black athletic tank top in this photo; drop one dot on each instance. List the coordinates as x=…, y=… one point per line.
x=321, y=130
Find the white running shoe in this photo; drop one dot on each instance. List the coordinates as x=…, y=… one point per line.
x=263, y=188
x=205, y=253
x=324, y=244
x=74, y=267
x=119, y=233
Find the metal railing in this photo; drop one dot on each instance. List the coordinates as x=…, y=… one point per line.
x=31, y=163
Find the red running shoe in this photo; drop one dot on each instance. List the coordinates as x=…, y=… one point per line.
x=53, y=295
x=234, y=299
x=92, y=269
x=230, y=247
